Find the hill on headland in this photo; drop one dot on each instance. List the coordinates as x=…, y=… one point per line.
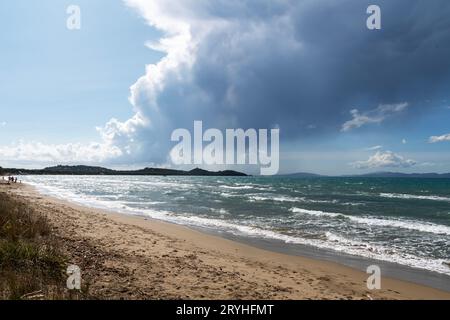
x=89, y=170
x=95, y=171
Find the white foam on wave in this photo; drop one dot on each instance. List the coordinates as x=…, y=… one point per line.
x=332, y=242
x=164, y=184
x=237, y=187
x=322, y=201
x=353, y=204
x=228, y=195
x=147, y=202
x=221, y=211
x=405, y=224
x=381, y=222
x=371, y=251
x=69, y=195
x=316, y=213
x=413, y=196
x=254, y=198
x=280, y=198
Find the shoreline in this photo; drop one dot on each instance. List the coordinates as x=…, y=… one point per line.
x=162, y=260
x=391, y=270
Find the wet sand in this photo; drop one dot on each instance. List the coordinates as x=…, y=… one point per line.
x=126, y=257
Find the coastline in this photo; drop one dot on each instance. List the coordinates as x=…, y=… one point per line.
x=133, y=257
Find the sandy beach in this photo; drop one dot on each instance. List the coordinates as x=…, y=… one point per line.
x=126, y=257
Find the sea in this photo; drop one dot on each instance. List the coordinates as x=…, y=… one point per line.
x=400, y=221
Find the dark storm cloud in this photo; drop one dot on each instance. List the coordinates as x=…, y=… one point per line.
x=293, y=64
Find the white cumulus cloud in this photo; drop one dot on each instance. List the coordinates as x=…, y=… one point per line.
x=387, y=159
x=435, y=139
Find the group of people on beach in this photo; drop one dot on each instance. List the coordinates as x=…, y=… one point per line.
x=10, y=179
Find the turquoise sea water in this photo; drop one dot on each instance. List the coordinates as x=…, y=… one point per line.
x=405, y=221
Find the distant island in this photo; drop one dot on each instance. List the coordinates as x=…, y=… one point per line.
x=301, y=175
x=403, y=175
x=373, y=175
x=88, y=170
x=81, y=170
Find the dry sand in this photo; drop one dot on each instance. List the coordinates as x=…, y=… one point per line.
x=124, y=257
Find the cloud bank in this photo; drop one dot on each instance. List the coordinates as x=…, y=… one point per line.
x=50, y=153
x=286, y=64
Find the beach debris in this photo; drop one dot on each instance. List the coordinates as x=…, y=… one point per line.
x=33, y=295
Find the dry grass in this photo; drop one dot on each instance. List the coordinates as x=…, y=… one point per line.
x=31, y=262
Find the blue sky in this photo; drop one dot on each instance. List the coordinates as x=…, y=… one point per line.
x=58, y=85
x=86, y=96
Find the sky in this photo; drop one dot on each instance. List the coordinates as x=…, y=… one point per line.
x=346, y=99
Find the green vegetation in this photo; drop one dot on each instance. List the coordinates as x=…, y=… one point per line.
x=31, y=263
